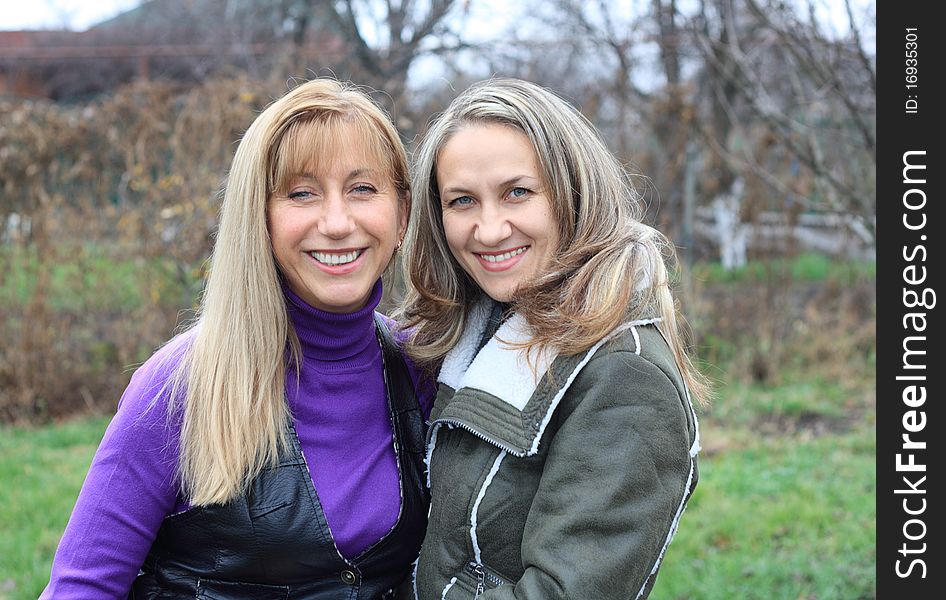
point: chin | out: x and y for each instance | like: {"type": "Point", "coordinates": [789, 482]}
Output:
{"type": "Point", "coordinates": [499, 295]}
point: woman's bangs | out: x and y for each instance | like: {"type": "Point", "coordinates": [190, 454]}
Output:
{"type": "Point", "coordinates": [314, 145]}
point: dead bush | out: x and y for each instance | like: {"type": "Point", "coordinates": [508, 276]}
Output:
{"type": "Point", "coordinates": [107, 210]}
{"type": "Point", "coordinates": [755, 331]}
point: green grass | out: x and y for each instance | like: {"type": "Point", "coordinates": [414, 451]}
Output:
{"type": "Point", "coordinates": [796, 399]}
{"type": "Point", "coordinates": [42, 470]}
{"type": "Point", "coordinates": [785, 507]}
{"type": "Point", "coordinates": [90, 278]}
{"type": "Point", "coordinates": [809, 266]}
{"type": "Point", "coordinates": [783, 518]}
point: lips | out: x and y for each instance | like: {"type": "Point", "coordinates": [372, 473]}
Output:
{"type": "Point", "coordinates": [501, 260]}
{"type": "Point", "coordinates": [495, 258]}
{"type": "Point", "coordinates": [333, 259]}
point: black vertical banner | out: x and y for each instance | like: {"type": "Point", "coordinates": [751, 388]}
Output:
{"type": "Point", "coordinates": [911, 422]}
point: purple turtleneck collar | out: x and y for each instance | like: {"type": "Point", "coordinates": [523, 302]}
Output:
{"type": "Point", "coordinates": [341, 339]}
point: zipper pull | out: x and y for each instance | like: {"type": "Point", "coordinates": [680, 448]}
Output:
{"type": "Point", "coordinates": [480, 579]}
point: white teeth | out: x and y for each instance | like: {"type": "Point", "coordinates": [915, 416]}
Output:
{"type": "Point", "coordinates": [332, 259]}
{"type": "Point", "coordinates": [504, 256]}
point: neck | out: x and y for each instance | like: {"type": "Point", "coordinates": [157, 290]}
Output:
{"type": "Point", "coordinates": [334, 338]}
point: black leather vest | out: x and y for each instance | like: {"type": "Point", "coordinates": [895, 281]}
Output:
{"type": "Point", "coordinates": [274, 541]}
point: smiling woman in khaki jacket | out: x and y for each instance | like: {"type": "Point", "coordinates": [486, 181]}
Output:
{"type": "Point", "coordinates": [563, 442]}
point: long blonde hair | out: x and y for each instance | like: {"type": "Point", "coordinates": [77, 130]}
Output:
{"type": "Point", "coordinates": [609, 267]}
{"type": "Point", "coordinates": [231, 380]}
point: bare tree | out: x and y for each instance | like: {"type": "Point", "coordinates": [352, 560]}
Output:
{"type": "Point", "coordinates": [778, 84]}
{"type": "Point", "coordinates": [385, 38]}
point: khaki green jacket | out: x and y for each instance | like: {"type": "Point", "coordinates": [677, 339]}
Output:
{"type": "Point", "coordinates": [571, 487]}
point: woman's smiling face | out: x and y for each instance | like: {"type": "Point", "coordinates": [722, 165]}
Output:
{"type": "Point", "coordinates": [496, 211]}
{"type": "Point", "coordinates": [336, 226]}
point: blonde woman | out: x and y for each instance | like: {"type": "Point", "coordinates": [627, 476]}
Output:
{"type": "Point", "coordinates": [274, 450]}
{"type": "Point", "coordinates": [562, 445]}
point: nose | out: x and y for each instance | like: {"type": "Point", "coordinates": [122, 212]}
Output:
{"type": "Point", "coordinates": [335, 220]}
{"type": "Point", "coordinates": [493, 226]}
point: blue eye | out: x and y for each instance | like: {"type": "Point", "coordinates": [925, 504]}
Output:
{"type": "Point", "coordinates": [300, 195]}
{"type": "Point", "coordinates": [461, 201]}
{"type": "Point", "coordinates": [518, 192]}
{"type": "Point", "coordinates": [364, 188]}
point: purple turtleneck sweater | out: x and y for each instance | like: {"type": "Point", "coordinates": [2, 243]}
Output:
{"type": "Point", "coordinates": [340, 415]}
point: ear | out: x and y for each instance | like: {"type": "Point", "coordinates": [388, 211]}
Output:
{"type": "Point", "coordinates": [403, 216]}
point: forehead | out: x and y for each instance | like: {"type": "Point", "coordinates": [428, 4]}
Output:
{"type": "Point", "coordinates": [484, 151]}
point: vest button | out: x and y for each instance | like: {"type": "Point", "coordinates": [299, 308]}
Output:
{"type": "Point", "coordinates": [349, 577]}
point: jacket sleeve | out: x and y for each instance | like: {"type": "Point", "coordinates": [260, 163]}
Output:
{"type": "Point", "coordinates": [616, 478]}
{"type": "Point", "coordinates": [129, 489]}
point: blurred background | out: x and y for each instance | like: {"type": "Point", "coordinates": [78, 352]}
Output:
{"type": "Point", "coordinates": [750, 125]}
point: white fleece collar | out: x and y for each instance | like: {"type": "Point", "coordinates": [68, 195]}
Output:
{"type": "Point", "coordinates": [459, 357]}
{"type": "Point", "coordinates": [498, 369]}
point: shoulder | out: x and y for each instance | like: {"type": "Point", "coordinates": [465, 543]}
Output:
{"type": "Point", "coordinates": [633, 367]}
{"type": "Point", "coordinates": [144, 433]}
{"type": "Point", "coordinates": [629, 395]}
{"type": "Point", "coordinates": [640, 350]}
{"type": "Point", "coordinates": [148, 390]}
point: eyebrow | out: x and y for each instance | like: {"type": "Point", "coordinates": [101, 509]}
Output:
{"type": "Point", "coordinates": [455, 190]}
{"type": "Point", "coordinates": [351, 175]}
{"type": "Point", "coordinates": [517, 179]}
{"type": "Point", "coordinates": [363, 171]}
{"type": "Point", "coordinates": [502, 184]}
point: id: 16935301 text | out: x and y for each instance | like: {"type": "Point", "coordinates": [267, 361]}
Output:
{"type": "Point", "coordinates": [911, 76]}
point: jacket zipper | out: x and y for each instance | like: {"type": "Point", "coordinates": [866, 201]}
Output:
{"type": "Point", "coordinates": [482, 436]}
{"type": "Point", "coordinates": [482, 576]}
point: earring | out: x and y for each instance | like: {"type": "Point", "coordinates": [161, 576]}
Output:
{"type": "Point", "coordinates": [398, 246]}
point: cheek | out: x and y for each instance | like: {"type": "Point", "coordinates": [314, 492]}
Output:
{"type": "Point", "coordinates": [547, 225]}
{"type": "Point", "coordinates": [455, 232]}
{"type": "Point", "coordinates": [384, 222]}
{"type": "Point", "coordinates": [543, 229]}
{"type": "Point", "coordinates": [282, 240]}
{"type": "Point", "coordinates": [279, 226]}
